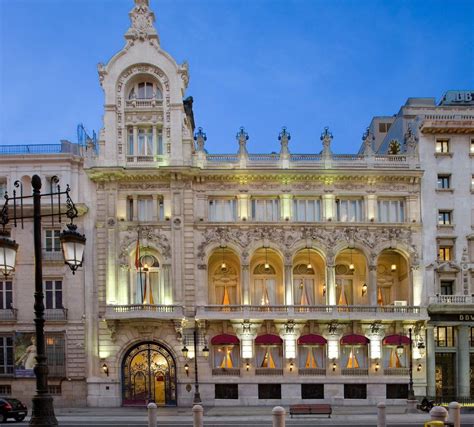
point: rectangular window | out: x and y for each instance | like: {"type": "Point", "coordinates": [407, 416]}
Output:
{"type": "Point", "coordinates": [51, 240]}
{"type": "Point", "coordinates": [130, 150]}
{"type": "Point", "coordinates": [145, 142]}
{"type": "Point", "coordinates": [54, 389]}
{"type": "Point", "coordinates": [442, 145]}
{"type": "Point", "coordinates": [226, 391]}
{"type": "Point", "coordinates": [307, 210]}
{"type": "Point", "coordinates": [6, 355]}
{"type": "Point", "coordinates": [56, 354]}
{"type": "Point", "coordinates": [6, 295]}
{"type": "Point", "coordinates": [444, 217]}
{"type": "Point", "coordinates": [391, 210]}
{"type": "Point", "coordinates": [130, 209]}
{"type": "Point", "coordinates": [355, 391]}
{"type": "Point", "coordinates": [53, 290]}
{"type": "Point", "coordinates": [446, 287]}
{"type": "Point", "coordinates": [5, 389]}
{"type": "Point", "coordinates": [384, 127]}
{"type": "Point", "coordinates": [159, 142]}
{"type": "Point", "coordinates": [269, 391]}
{"type": "Point", "coordinates": [445, 253]}
{"type": "Point", "coordinates": [3, 189]}
{"type": "Point", "coordinates": [265, 209]}
{"type": "Point", "coordinates": [350, 210]}
{"type": "Point", "coordinates": [312, 391]}
{"type": "Point", "coordinates": [444, 336]}
{"type": "Point", "coordinates": [224, 210]}
{"type": "Point", "coordinates": [472, 146]}
{"type": "Point", "coordinates": [397, 391]}
{"type": "Point", "coordinates": [145, 208]}
{"type": "Point", "coordinates": [444, 181]}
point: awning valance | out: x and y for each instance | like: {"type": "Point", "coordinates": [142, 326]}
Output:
{"type": "Point", "coordinates": [311, 339]}
{"type": "Point", "coordinates": [396, 340]}
{"type": "Point", "coordinates": [224, 339]}
{"type": "Point", "coordinates": [354, 339]}
{"type": "Point", "coordinates": [268, 339]}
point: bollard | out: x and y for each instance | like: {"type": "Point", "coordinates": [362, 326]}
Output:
{"type": "Point", "coordinates": [278, 415]}
{"type": "Point", "coordinates": [198, 415]}
{"type": "Point", "coordinates": [152, 413]}
{"type": "Point", "coordinates": [381, 415]}
{"type": "Point", "coordinates": [438, 413]}
{"type": "Point", "coordinates": [455, 413]}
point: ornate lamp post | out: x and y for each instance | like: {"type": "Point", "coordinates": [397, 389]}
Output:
{"type": "Point", "coordinates": [411, 393]}
{"type": "Point", "coordinates": [73, 245]}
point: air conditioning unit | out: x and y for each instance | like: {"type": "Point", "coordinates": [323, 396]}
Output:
{"type": "Point", "coordinates": [399, 303]}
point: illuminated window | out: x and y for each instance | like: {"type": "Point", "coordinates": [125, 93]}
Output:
{"type": "Point", "coordinates": [56, 354]}
{"type": "Point", "coordinates": [472, 145]}
{"type": "Point", "coordinates": [442, 145]}
{"type": "Point", "coordinates": [445, 253]}
{"type": "Point", "coordinates": [391, 210]}
{"type": "Point", "coordinates": [444, 217]}
{"type": "Point", "coordinates": [444, 181]}
{"type": "Point", "coordinates": [444, 336]}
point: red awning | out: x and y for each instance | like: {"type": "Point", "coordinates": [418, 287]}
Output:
{"type": "Point", "coordinates": [396, 340]}
{"type": "Point", "coordinates": [268, 339]}
{"type": "Point", "coordinates": [224, 339]}
{"type": "Point", "coordinates": [312, 339]}
{"type": "Point", "coordinates": [354, 339]}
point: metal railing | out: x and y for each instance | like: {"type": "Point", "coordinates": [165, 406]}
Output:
{"type": "Point", "coordinates": [8, 314]}
{"type": "Point", "coordinates": [144, 103]}
{"type": "Point", "coordinates": [55, 314]}
{"type": "Point", "coordinates": [451, 299]}
{"type": "Point", "coordinates": [49, 255]}
{"type": "Point", "coordinates": [142, 307]}
{"type": "Point", "coordinates": [64, 147]}
{"type": "Point", "coordinates": [396, 371]}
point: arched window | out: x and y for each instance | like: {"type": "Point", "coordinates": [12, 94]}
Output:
{"type": "Point", "coordinates": [145, 90]}
{"type": "Point", "coordinates": [146, 278]}
{"type": "Point", "coordinates": [303, 280]}
{"type": "Point", "coordinates": [344, 284]}
{"type": "Point", "coordinates": [265, 285]}
{"type": "Point", "coordinates": [225, 285]}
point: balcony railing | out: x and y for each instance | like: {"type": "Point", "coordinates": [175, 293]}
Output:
{"type": "Point", "coordinates": [49, 255]}
{"type": "Point", "coordinates": [144, 103]}
{"type": "Point", "coordinates": [145, 159]}
{"type": "Point", "coordinates": [231, 372]}
{"type": "Point", "coordinates": [143, 311]}
{"type": "Point", "coordinates": [452, 299]}
{"type": "Point", "coordinates": [355, 372]}
{"type": "Point", "coordinates": [396, 371]}
{"type": "Point", "coordinates": [64, 147]}
{"type": "Point", "coordinates": [7, 314]}
{"type": "Point", "coordinates": [269, 371]}
{"type": "Point", "coordinates": [55, 314]}
{"type": "Point", "coordinates": [312, 371]}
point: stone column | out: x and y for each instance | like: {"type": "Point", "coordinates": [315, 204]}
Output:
{"type": "Point", "coordinates": [463, 361]}
{"type": "Point", "coordinates": [289, 299]}
{"type": "Point", "coordinates": [430, 361]}
{"type": "Point", "coordinates": [135, 208]}
{"type": "Point", "coordinates": [246, 283]}
{"type": "Point", "coordinates": [154, 213]}
{"type": "Point", "coordinates": [135, 140]}
{"type": "Point", "coordinates": [155, 141]}
{"type": "Point", "coordinates": [373, 285]}
{"type": "Point", "coordinates": [331, 284]}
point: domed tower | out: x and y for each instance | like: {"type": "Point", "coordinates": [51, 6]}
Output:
{"type": "Point", "coordinates": [146, 121]}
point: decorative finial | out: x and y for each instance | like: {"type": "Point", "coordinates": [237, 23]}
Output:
{"type": "Point", "coordinates": [200, 138]}
{"type": "Point", "coordinates": [142, 21]}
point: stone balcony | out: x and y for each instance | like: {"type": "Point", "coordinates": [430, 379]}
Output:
{"type": "Point", "coordinates": [8, 314]}
{"type": "Point", "coordinates": [323, 312]}
{"type": "Point", "coordinates": [143, 104]}
{"type": "Point", "coordinates": [55, 314]}
{"type": "Point", "coordinates": [451, 299]}
{"type": "Point", "coordinates": [143, 311]}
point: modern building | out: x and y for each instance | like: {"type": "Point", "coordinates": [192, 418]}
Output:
{"type": "Point", "coordinates": [275, 277]}
{"type": "Point", "coordinates": [442, 135]}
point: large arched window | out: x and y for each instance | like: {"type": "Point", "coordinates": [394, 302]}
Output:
{"type": "Point", "coordinates": [145, 90]}
{"type": "Point", "coordinates": [303, 279]}
{"type": "Point", "coordinates": [265, 285]}
{"type": "Point", "coordinates": [224, 267]}
{"type": "Point", "coordinates": [147, 280]}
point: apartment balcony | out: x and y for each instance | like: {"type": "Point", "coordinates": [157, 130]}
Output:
{"type": "Point", "coordinates": [53, 256]}
{"type": "Point", "coordinates": [143, 104]}
{"type": "Point", "coordinates": [148, 161]}
{"type": "Point", "coordinates": [143, 311]}
{"type": "Point", "coordinates": [323, 312]}
{"type": "Point", "coordinates": [396, 372]}
{"type": "Point", "coordinates": [55, 314]}
{"type": "Point", "coordinates": [8, 314]}
{"type": "Point", "coordinates": [452, 299]}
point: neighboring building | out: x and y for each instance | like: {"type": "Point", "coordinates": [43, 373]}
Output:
{"type": "Point", "coordinates": [301, 273]}
{"type": "Point", "coordinates": [443, 137]}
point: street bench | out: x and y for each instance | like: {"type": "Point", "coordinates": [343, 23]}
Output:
{"type": "Point", "coordinates": [311, 409]}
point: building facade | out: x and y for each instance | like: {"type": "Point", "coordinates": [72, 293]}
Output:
{"type": "Point", "coordinates": [277, 277]}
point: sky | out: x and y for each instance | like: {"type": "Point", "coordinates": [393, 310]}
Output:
{"type": "Point", "coordinates": [260, 64]}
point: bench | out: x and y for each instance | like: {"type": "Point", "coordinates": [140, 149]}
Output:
{"type": "Point", "coordinates": [311, 409]}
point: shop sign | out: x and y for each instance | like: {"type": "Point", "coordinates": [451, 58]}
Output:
{"type": "Point", "coordinates": [452, 317]}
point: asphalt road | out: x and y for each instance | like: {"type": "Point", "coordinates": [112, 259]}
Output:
{"type": "Point", "coordinates": [299, 423]}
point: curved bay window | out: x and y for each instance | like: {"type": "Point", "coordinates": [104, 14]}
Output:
{"type": "Point", "coordinates": [224, 277]}
{"type": "Point", "coordinates": [354, 355]}
{"type": "Point", "coordinates": [149, 373]}
{"type": "Point", "coordinates": [396, 349]}
{"type": "Point", "coordinates": [393, 279]}
{"type": "Point", "coordinates": [269, 354]}
{"type": "Point", "coordinates": [226, 354]}
{"type": "Point", "coordinates": [312, 355]}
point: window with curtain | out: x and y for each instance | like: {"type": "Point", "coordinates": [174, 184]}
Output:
{"type": "Point", "coordinates": [303, 283]}
{"type": "Point", "coordinates": [224, 210]}
{"type": "Point", "coordinates": [384, 295]}
{"type": "Point", "coordinates": [266, 209]}
{"type": "Point", "coordinates": [307, 210]}
{"type": "Point", "coordinates": [265, 285]}
{"type": "Point", "coordinates": [225, 285]}
{"type": "Point", "coordinates": [145, 90]}
{"type": "Point", "coordinates": [148, 286]}
{"type": "Point", "coordinates": [350, 210]}
{"type": "Point", "coordinates": [145, 208]}
{"type": "Point", "coordinates": [354, 357]}
{"type": "Point", "coordinates": [226, 356]}
{"type": "Point", "coordinates": [311, 357]}
{"type": "Point", "coordinates": [391, 210]}
{"type": "Point", "coordinates": [392, 358]}
{"type": "Point", "coordinates": [145, 142]}
{"type": "Point", "coordinates": [344, 291]}
{"type": "Point", "coordinates": [130, 149]}
{"type": "Point", "coordinates": [269, 356]}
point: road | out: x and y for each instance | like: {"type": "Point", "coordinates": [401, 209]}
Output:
{"type": "Point", "coordinates": [296, 423]}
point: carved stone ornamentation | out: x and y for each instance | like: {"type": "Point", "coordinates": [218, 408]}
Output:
{"type": "Point", "coordinates": [148, 235]}
{"type": "Point", "coordinates": [142, 20]}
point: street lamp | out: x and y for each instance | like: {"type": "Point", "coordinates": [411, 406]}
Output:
{"type": "Point", "coordinates": [411, 393]}
{"type": "Point", "coordinates": [73, 245]}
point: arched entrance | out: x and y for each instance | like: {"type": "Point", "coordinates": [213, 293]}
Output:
{"type": "Point", "coordinates": [148, 373]}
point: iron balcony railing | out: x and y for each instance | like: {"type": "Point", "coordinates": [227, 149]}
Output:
{"type": "Point", "coordinates": [65, 147]}
{"type": "Point", "coordinates": [330, 309]}
{"type": "Point", "coordinates": [452, 299]}
{"type": "Point", "coordinates": [8, 314]}
{"type": "Point", "coordinates": [55, 314]}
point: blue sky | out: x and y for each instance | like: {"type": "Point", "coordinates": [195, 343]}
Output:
{"type": "Point", "coordinates": [261, 64]}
